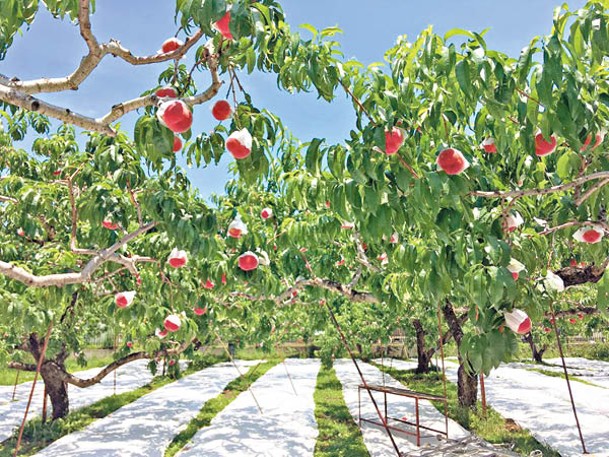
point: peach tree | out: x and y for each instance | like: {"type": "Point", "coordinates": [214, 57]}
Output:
{"type": "Point", "coordinates": [108, 234]}
{"type": "Point", "coordinates": [469, 182]}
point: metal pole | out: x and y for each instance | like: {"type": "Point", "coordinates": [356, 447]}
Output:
{"type": "Point", "coordinates": [289, 377]}
{"type": "Point", "coordinates": [230, 356]}
{"type": "Point", "coordinates": [44, 405]}
{"type": "Point", "coordinates": [443, 370]}
{"type": "Point", "coordinates": [361, 375]}
{"type": "Point", "coordinates": [29, 402]}
{"type": "Point", "coordinates": [115, 337]}
{"type": "Point", "coordinates": [483, 392]}
{"type": "Point", "coordinates": [15, 387]}
{"type": "Point", "coordinates": [564, 366]}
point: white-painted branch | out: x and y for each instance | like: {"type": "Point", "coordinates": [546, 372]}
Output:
{"type": "Point", "coordinates": [62, 279]}
{"type": "Point", "coordinates": [531, 192]}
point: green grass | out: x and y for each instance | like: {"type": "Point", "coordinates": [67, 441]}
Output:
{"type": "Point", "coordinates": [339, 435]}
{"type": "Point", "coordinates": [212, 407]}
{"type": "Point", "coordinates": [95, 358]}
{"type": "Point", "coordinates": [252, 353]}
{"type": "Point", "coordinates": [493, 428]}
{"type": "Point", "coordinates": [559, 374]}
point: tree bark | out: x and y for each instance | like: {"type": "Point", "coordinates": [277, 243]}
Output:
{"type": "Point", "coordinates": [467, 387]}
{"type": "Point", "coordinates": [56, 386]}
{"type": "Point", "coordinates": [537, 354]}
{"type": "Point", "coordinates": [423, 355]}
{"type": "Point", "coordinates": [467, 383]}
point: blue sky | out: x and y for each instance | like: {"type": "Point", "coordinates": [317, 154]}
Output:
{"type": "Point", "coordinates": [54, 48]}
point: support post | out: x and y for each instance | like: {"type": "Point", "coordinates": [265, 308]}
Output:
{"type": "Point", "coordinates": [483, 393]}
{"type": "Point", "coordinates": [44, 405]}
{"type": "Point", "coordinates": [29, 402]}
{"type": "Point", "coordinates": [15, 387]}
{"type": "Point", "coordinates": [564, 366]}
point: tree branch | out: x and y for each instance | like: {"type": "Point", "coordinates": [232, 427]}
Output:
{"type": "Point", "coordinates": [586, 195]}
{"type": "Point", "coordinates": [84, 23]}
{"type": "Point", "coordinates": [573, 276]}
{"type": "Point", "coordinates": [569, 312]}
{"type": "Point", "coordinates": [19, 93]}
{"type": "Point", "coordinates": [33, 104]}
{"type": "Point", "coordinates": [78, 382]}
{"type": "Point", "coordinates": [571, 224]}
{"type": "Point", "coordinates": [529, 192]}
{"type": "Point", "coordinates": [4, 198]}
{"type": "Point", "coordinates": [63, 279]}
{"type": "Point", "coordinates": [333, 286]}
{"type": "Point", "coordinates": [22, 366]}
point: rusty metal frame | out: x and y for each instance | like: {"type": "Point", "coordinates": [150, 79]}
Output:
{"type": "Point", "coordinates": [417, 396]}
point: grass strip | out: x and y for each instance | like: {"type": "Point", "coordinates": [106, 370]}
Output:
{"type": "Point", "coordinates": [38, 435]}
{"type": "Point", "coordinates": [493, 428]}
{"type": "Point", "coordinates": [559, 374]}
{"type": "Point", "coordinates": [212, 407]}
{"type": "Point", "coordinates": [339, 435]}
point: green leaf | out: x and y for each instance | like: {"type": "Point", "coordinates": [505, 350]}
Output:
{"type": "Point", "coordinates": [602, 294]}
{"type": "Point", "coordinates": [568, 165]}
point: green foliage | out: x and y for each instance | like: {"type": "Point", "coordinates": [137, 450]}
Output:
{"type": "Point", "coordinates": [442, 91]}
{"type": "Point", "coordinates": [13, 15]}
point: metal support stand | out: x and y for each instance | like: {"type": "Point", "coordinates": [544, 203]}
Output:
{"type": "Point", "coordinates": [361, 375]}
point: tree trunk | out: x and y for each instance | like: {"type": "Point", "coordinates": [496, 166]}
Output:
{"type": "Point", "coordinates": [467, 387]}
{"type": "Point", "coordinates": [57, 388]}
{"type": "Point", "coordinates": [467, 383]}
{"type": "Point", "coordinates": [423, 356]}
{"type": "Point", "coordinates": [537, 354]}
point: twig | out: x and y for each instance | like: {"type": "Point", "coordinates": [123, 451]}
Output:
{"type": "Point", "coordinates": [572, 224]}
{"type": "Point", "coordinates": [135, 203]}
{"type": "Point", "coordinates": [586, 195]}
{"type": "Point", "coordinates": [357, 102]}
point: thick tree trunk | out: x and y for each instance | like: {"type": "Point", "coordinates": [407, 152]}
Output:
{"type": "Point", "coordinates": [467, 383]}
{"type": "Point", "coordinates": [423, 355]}
{"type": "Point", "coordinates": [467, 387]}
{"type": "Point", "coordinates": [537, 354]}
{"type": "Point", "coordinates": [57, 388]}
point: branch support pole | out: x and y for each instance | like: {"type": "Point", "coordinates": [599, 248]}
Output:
{"type": "Point", "coordinates": [230, 356]}
{"type": "Point", "coordinates": [29, 402]}
{"type": "Point", "coordinates": [564, 366]}
{"type": "Point", "coordinates": [15, 387]}
{"type": "Point", "coordinates": [443, 369]}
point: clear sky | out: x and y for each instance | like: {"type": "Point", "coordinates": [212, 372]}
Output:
{"type": "Point", "coordinates": [54, 48]}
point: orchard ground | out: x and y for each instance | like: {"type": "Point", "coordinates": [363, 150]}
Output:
{"type": "Point", "coordinates": [262, 420]}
